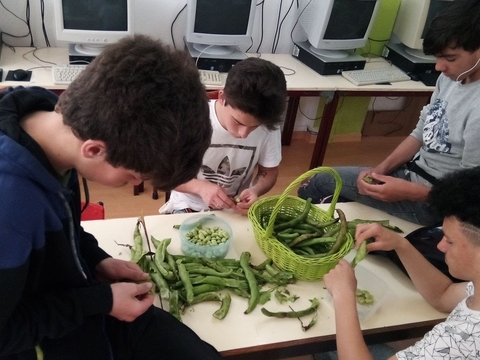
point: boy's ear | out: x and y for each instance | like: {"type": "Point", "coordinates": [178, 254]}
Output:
{"type": "Point", "coordinates": [221, 97]}
{"type": "Point", "coordinates": [93, 148]}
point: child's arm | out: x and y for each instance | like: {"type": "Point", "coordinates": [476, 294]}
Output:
{"type": "Point", "coordinates": [265, 180]}
{"type": "Point", "coordinates": [435, 287]}
{"type": "Point", "coordinates": [212, 195]}
{"type": "Point", "coordinates": [342, 284]}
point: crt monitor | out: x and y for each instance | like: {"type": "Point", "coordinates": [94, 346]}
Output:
{"type": "Point", "coordinates": [218, 26]}
{"type": "Point", "coordinates": [412, 22]}
{"type": "Point", "coordinates": [92, 24]}
{"type": "Point", "coordinates": [334, 27]}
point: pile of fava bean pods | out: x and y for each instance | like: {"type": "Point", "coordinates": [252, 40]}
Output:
{"type": "Point", "coordinates": [314, 238]}
{"type": "Point", "coordinates": [185, 281]}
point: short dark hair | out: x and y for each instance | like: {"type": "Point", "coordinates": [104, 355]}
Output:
{"type": "Point", "coordinates": [457, 26]}
{"type": "Point", "coordinates": [458, 194]}
{"type": "Point", "coordinates": [146, 102]}
{"type": "Point", "coordinates": [257, 87]}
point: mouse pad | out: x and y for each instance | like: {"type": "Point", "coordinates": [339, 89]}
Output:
{"type": "Point", "coordinates": [10, 76]}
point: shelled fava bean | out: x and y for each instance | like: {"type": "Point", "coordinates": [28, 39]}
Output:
{"type": "Point", "coordinates": [364, 297]}
{"type": "Point", "coordinates": [207, 236]}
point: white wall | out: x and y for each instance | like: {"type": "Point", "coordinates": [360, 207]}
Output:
{"type": "Point", "coordinates": [155, 17]}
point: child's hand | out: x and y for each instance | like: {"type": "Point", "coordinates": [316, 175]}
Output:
{"type": "Point", "coordinates": [246, 199]}
{"type": "Point", "coordinates": [384, 239]}
{"type": "Point", "coordinates": [341, 281]}
{"type": "Point", "coordinates": [215, 196]}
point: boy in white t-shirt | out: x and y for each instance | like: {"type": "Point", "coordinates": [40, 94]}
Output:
{"type": "Point", "coordinates": [242, 161]}
{"type": "Point", "coordinates": [457, 199]}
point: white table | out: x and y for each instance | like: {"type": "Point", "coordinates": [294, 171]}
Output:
{"type": "Point", "coordinates": [254, 336]}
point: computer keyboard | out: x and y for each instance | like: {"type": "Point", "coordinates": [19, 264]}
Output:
{"type": "Point", "coordinates": [65, 74]}
{"type": "Point", "coordinates": [210, 77]}
{"type": "Point", "coordinates": [375, 76]}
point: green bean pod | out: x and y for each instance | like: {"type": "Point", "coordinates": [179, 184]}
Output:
{"type": "Point", "coordinates": [137, 249]}
{"type": "Point", "coordinates": [223, 310]}
{"type": "Point", "coordinates": [183, 274]}
{"type": "Point", "coordinates": [252, 282]}
{"type": "Point", "coordinates": [296, 220]}
{"type": "Point", "coordinates": [360, 255]}
{"type": "Point", "coordinates": [341, 235]}
{"type": "Point", "coordinates": [304, 237]}
{"type": "Point", "coordinates": [173, 303]}
{"type": "Point", "coordinates": [293, 314]}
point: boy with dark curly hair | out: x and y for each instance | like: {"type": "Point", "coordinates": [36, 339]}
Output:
{"type": "Point", "coordinates": [456, 197]}
{"type": "Point", "coordinates": [139, 111]}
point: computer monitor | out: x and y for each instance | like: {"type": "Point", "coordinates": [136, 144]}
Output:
{"type": "Point", "coordinates": [92, 24]}
{"type": "Point", "coordinates": [217, 27]}
{"type": "Point", "coordinates": [412, 22]}
{"type": "Point", "coordinates": [335, 27]}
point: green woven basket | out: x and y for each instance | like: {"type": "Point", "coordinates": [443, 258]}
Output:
{"type": "Point", "coordinates": [303, 268]}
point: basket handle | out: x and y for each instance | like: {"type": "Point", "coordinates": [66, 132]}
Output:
{"type": "Point", "coordinates": [309, 173]}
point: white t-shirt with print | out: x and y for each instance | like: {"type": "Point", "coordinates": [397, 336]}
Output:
{"type": "Point", "coordinates": [230, 162]}
{"type": "Point", "coordinates": [458, 337]}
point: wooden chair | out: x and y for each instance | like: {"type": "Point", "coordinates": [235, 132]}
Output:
{"type": "Point", "coordinates": [137, 189]}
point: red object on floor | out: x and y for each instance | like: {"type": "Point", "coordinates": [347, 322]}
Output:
{"type": "Point", "coordinates": [93, 212]}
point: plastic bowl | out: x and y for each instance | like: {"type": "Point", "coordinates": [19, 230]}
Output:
{"type": "Point", "coordinates": [366, 280]}
{"type": "Point", "coordinates": [206, 251]}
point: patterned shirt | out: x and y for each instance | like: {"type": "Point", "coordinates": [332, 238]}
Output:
{"type": "Point", "coordinates": [458, 337]}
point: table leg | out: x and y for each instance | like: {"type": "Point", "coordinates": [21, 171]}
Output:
{"type": "Point", "coordinates": [324, 129]}
{"type": "Point", "coordinates": [290, 116]}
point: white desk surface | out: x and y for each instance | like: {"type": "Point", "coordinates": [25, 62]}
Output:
{"type": "Point", "coordinates": [299, 76]}
{"type": "Point", "coordinates": [239, 332]}
{"type": "Point", "coordinates": [24, 58]}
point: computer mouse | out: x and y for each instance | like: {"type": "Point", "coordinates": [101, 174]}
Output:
{"type": "Point", "coordinates": [20, 74]}
{"type": "Point", "coordinates": [413, 76]}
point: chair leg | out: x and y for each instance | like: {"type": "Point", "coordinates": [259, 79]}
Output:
{"type": "Point", "coordinates": [137, 189]}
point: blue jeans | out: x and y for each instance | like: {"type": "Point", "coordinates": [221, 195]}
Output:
{"type": "Point", "coordinates": [378, 351]}
{"type": "Point", "coordinates": [322, 185]}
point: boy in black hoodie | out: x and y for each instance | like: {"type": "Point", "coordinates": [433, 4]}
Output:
{"type": "Point", "coordinates": [137, 112]}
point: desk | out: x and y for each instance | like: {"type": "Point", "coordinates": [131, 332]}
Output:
{"type": "Point", "coordinates": [301, 81]}
{"type": "Point", "coordinates": [404, 315]}
{"type": "Point", "coordinates": [344, 87]}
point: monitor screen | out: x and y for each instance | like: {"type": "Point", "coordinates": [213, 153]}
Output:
{"type": "Point", "coordinates": [349, 19]}
{"type": "Point", "coordinates": [434, 8]}
{"type": "Point", "coordinates": [229, 20]}
{"type": "Point", "coordinates": [92, 24]}
{"type": "Point", "coordinates": [335, 26]}
{"type": "Point", "coordinates": [215, 25]}
{"type": "Point", "coordinates": [412, 22]}
{"type": "Point", "coordinates": [95, 15]}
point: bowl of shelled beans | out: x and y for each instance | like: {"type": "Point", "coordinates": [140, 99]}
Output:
{"type": "Point", "coordinates": [206, 236]}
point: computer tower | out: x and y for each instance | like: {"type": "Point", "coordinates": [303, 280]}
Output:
{"type": "Point", "coordinates": [221, 63]}
{"type": "Point", "coordinates": [75, 57]}
{"type": "Point", "coordinates": [423, 68]}
{"type": "Point", "coordinates": [326, 65]}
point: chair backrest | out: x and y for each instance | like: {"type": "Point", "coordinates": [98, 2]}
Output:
{"type": "Point", "coordinates": [212, 94]}
{"type": "Point", "coordinates": [93, 212]}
